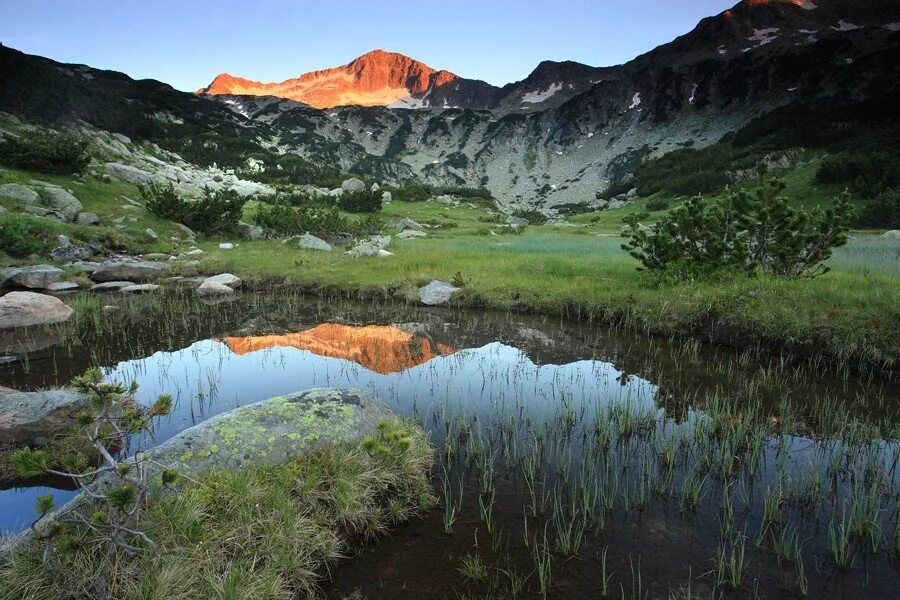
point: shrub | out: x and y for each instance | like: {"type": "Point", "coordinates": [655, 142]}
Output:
{"type": "Point", "coordinates": [47, 152]}
{"type": "Point", "coordinates": [657, 204]}
{"type": "Point", "coordinates": [364, 201]}
{"type": "Point", "coordinates": [748, 230]}
{"type": "Point", "coordinates": [534, 217]}
{"type": "Point", "coordinates": [868, 171]}
{"type": "Point", "coordinates": [217, 212]}
{"type": "Point", "coordinates": [882, 211]}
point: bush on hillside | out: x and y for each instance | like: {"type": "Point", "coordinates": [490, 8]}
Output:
{"type": "Point", "coordinates": [534, 217]}
{"type": "Point", "coordinates": [882, 211]}
{"type": "Point", "coordinates": [657, 204]}
{"type": "Point", "coordinates": [749, 230]}
{"type": "Point", "coordinates": [216, 212]}
{"type": "Point", "coordinates": [284, 220]}
{"type": "Point", "coordinates": [868, 172]}
{"type": "Point", "coordinates": [364, 201]}
{"type": "Point", "coordinates": [47, 152]}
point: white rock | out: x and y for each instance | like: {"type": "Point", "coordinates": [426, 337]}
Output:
{"type": "Point", "coordinates": [437, 292]}
{"type": "Point", "coordinates": [225, 279]}
{"type": "Point", "coordinates": [226, 246]}
{"type": "Point", "coordinates": [353, 185]}
{"type": "Point", "coordinates": [213, 289]}
{"type": "Point", "coordinates": [139, 288]}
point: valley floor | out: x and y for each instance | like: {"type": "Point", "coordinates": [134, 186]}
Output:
{"type": "Point", "coordinates": [851, 314]}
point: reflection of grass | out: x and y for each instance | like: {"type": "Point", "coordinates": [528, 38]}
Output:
{"type": "Point", "coordinates": [267, 532]}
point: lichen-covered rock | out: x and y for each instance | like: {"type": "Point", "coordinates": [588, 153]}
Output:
{"type": "Point", "coordinates": [35, 418]}
{"type": "Point", "coordinates": [437, 292]}
{"type": "Point", "coordinates": [310, 242]}
{"type": "Point", "coordinates": [23, 309]}
{"type": "Point", "coordinates": [61, 202]}
{"type": "Point", "coordinates": [409, 234]}
{"type": "Point", "coordinates": [353, 185]}
{"type": "Point", "coordinates": [267, 433]}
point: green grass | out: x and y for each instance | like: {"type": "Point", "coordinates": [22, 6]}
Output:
{"type": "Point", "coordinates": [261, 533]}
{"type": "Point", "coordinates": [850, 313]}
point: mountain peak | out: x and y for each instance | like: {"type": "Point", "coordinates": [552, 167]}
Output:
{"type": "Point", "coordinates": [377, 78]}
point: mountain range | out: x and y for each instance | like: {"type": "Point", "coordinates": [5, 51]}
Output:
{"type": "Point", "coordinates": [563, 134]}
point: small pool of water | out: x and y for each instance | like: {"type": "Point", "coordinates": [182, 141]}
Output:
{"type": "Point", "coordinates": [507, 380]}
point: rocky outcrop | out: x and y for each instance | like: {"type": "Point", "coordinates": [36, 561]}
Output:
{"type": "Point", "coordinates": [436, 293]}
{"type": "Point", "coordinates": [142, 271]}
{"type": "Point", "coordinates": [23, 309]}
{"type": "Point", "coordinates": [36, 418]}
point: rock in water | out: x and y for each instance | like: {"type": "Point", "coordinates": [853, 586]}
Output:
{"type": "Point", "coordinates": [437, 292]}
{"type": "Point", "coordinates": [225, 279]}
{"type": "Point", "coordinates": [213, 289]}
{"type": "Point", "coordinates": [36, 277]}
{"type": "Point", "coordinates": [129, 271]}
{"type": "Point", "coordinates": [35, 418]}
{"type": "Point", "coordinates": [21, 309]}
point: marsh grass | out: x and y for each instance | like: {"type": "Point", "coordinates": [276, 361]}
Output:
{"type": "Point", "coordinates": [265, 533]}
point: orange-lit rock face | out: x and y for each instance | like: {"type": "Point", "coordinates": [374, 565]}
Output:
{"type": "Point", "coordinates": [374, 79]}
{"type": "Point", "coordinates": [379, 348]}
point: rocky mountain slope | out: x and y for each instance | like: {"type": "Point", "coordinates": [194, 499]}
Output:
{"type": "Point", "coordinates": [562, 135]}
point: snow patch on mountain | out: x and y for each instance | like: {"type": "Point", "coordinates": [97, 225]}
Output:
{"type": "Point", "coordinates": [540, 96]}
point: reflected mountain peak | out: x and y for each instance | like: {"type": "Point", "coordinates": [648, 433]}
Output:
{"type": "Point", "coordinates": [379, 348]}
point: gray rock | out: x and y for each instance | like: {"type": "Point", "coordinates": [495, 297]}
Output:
{"type": "Point", "coordinates": [19, 193]}
{"type": "Point", "coordinates": [408, 234]}
{"type": "Point", "coordinates": [129, 173]}
{"type": "Point", "coordinates": [63, 286]}
{"type": "Point", "coordinates": [139, 271]}
{"type": "Point", "coordinates": [372, 247]}
{"type": "Point", "coordinates": [35, 418]}
{"type": "Point", "coordinates": [310, 242]}
{"type": "Point", "coordinates": [214, 289]}
{"type": "Point", "coordinates": [151, 234]}
{"type": "Point", "coordinates": [353, 185]}
{"type": "Point", "coordinates": [250, 232]}
{"type": "Point", "coordinates": [891, 234]}
{"type": "Point", "coordinates": [139, 288]}
{"type": "Point", "coordinates": [22, 309]}
{"type": "Point", "coordinates": [437, 292]}
{"type": "Point", "coordinates": [111, 286]}
{"type": "Point", "coordinates": [61, 201]}
{"type": "Point", "coordinates": [157, 256]}
{"type": "Point", "coordinates": [631, 193]}
{"type": "Point", "coordinates": [516, 221]}
{"type": "Point", "coordinates": [445, 199]}
{"type": "Point", "coordinates": [386, 198]}
{"type": "Point", "coordinates": [410, 224]}
{"type": "Point", "coordinates": [36, 277]}
{"type": "Point", "coordinates": [69, 252]}
{"type": "Point", "coordinates": [88, 218]}
{"type": "Point", "coordinates": [225, 279]}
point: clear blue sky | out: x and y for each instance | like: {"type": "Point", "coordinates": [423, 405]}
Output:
{"type": "Point", "coordinates": [187, 42]}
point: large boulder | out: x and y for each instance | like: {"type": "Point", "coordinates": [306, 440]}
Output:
{"type": "Point", "coordinates": [61, 202]}
{"type": "Point", "coordinates": [35, 277]}
{"type": "Point", "coordinates": [35, 418]}
{"type": "Point", "coordinates": [437, 292]}
{"type": "Point", "coordinates": [267, 433]}
{"type": "Point", "coordinates": [409, 234]}
{"type": "Point", "coordinates": [353, 185]}
{"type": "Point", "coordinates": [310, 242]}
{"type": "Point", "coordinates": [19, 193]}
{"type": "Point", "coordinates": [129, 173]}
{"type": "Point", "coordinates": [22, 309]}
{"type": "Point", "coordinates": [129, 271]}
{"type": "Point", "coordinates": [891, 234]}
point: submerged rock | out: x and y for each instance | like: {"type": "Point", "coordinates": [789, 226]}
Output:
{"type": "Point", "coordinates": [35, 418]}
{"type": "Point", "coordinates": [227, 279]}
{"type": "Point", "coordinates": [437, 292]}
{"type": "Point", "coordinates": [208, 288]}
{"type": "Point", "coordinates": [22, 309]}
